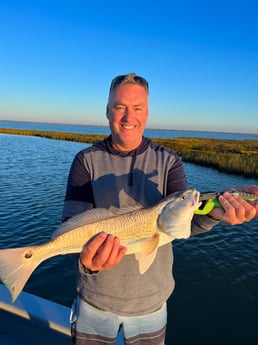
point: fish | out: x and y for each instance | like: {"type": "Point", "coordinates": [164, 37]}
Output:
{"type": "Point", "coordinates": [141, 230]}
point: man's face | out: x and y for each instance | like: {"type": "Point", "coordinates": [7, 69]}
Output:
{"type": "Point", "coordinates": [127, 112]}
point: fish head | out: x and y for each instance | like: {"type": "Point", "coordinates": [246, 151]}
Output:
{"type": "Point", "coordinates": [176, 215]}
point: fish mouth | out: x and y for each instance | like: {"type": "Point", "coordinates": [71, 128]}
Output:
{"type": "Point", "coordinates": [196, 199]}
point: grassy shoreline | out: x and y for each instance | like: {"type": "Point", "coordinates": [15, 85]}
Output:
{"type": "Point", "coordinates": [231, 156]}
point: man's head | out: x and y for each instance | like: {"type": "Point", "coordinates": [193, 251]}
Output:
{"type": "Point", "coordinates": [127, 110]}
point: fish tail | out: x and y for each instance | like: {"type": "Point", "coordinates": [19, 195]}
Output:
{"type": "Point", "coordinates": [16, 266]}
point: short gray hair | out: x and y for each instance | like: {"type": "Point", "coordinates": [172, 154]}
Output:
{"type": "Point", "coordinates": [130, 78]}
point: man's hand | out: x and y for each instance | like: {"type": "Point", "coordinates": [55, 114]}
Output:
{"type": "Point", "coordinates": [236, 210]}
{"type": "Point", "coordinates": [102, 252]}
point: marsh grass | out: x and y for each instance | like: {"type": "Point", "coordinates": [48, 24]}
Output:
{"type": "Point", "coordinates": [230, 156]}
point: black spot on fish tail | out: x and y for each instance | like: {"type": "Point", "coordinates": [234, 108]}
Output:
{"type": "Point", "coordinates": [28, 254]}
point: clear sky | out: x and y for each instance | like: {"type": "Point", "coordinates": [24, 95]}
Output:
{"type": "Point", "coordinates": [57, 59]}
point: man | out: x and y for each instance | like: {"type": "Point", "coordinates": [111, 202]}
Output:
{"type": "Point", "coordinates": [127, 169]}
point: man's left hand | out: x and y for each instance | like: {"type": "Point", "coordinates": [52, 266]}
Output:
{"type": "Point", "coordinates": [236, 210]}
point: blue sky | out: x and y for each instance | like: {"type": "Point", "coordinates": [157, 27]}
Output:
{"type": "Point", "coordinates": [200, 57]}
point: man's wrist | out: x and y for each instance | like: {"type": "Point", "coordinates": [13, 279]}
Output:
{"type": "Point", "coordinates": [85, 270]}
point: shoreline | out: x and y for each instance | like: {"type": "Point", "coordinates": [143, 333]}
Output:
{"type": "Point", "coordinates": [231, 156]}
{"type": "Point", "coordinates": [147, 128]}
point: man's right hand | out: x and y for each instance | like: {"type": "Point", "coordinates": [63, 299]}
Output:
{"type": "Point", "coordinates": [102, 252]}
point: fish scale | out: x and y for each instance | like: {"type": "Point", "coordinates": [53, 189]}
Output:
{"type": "Point", "coordinates": [141, 225]}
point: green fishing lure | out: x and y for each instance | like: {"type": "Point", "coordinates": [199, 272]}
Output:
{"type": "Point", "coordinates": [209, 200]}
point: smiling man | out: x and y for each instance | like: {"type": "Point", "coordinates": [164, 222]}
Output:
{"type": "Point", "coordinates": [123, 171]}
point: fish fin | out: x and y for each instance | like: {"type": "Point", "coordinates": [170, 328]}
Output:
{"type": "Point", "coordinates": [149, 250]}
{"type": "Point", "coordinates": [84, 218]}
{"type": "Point", "coordinates": [150, 245]}
{"type": "Point", "coordinates": [127, 209]}
{"type": "Point", "coordinates": [145, 261]}
{"type": "Point", "coordinates": [15, 268]}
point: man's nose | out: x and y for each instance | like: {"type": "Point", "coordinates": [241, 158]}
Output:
{"type": "Point", "coordinates": [128, 114]}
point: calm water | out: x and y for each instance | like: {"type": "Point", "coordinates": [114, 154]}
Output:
{"type": "Point", "coordinates": [216, 296]}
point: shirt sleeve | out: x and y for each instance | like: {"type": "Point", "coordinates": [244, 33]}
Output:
{"type": "Point", "coordinates": [79, 194]}
{"type": "Point", "coordinates": [176, 177]}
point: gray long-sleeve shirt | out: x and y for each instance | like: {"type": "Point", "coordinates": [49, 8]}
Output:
{"type": "Point", "coordinates": [101, 176]}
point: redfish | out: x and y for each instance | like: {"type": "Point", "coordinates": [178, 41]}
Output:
{"type": "Point", "coordinates": [141, 230]}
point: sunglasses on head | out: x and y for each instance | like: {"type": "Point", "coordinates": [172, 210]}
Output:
{"type": "Point", "coordinates": [131, 78]}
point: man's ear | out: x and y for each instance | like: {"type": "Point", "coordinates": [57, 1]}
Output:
{"type": "Point", "coordinates": [107, 112]}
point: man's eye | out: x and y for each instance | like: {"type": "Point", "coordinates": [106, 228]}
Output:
{"type": "Point", "coordinates": [119, 107]}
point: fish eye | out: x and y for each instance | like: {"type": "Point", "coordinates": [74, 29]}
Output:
{"type": "Point", "coordinates": [182, 197]}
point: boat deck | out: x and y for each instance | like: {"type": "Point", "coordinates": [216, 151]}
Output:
{"type": "Point", "coordinates": [15, 330]}
{"type": "Point", "coordinates": [32, 320]}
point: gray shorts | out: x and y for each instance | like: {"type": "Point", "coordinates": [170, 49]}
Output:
{"type": "Point", "coordinates": [91, 326]}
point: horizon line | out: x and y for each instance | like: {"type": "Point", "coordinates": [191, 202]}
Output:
{"type": "Point", "coordinates": [147, 128]}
